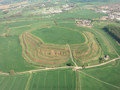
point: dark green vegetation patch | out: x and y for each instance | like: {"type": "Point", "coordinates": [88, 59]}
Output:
{"type": "Point", "coordinates": [114, 31]}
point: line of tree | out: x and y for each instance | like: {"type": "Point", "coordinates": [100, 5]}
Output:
{"type": "Point", "coordinates": [114, 31]}
{"type": "Point", "coordinates": [93, 1]}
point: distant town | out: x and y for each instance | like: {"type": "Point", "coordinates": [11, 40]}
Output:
{"type": "Point", "coordinates": [112, 11]}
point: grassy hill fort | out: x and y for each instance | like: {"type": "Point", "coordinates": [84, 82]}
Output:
{"type": "Point", "coordinates": [59, 44]}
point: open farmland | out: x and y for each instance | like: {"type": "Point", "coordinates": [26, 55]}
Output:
{"type": "Point", "coordinates": [78, 13]}
{"type": "Point", "coordinates": [65, 79]}
{"type": "Point", "coordinates": [57, 46]}
{"type": "Point", "coordinates": [53, 80]}
{"type": "Point", "coordinates": [105, 77]}
{"type": "Point", "coordinates": [59, 35]}
{"type": "Point", "coordinates": [17, 82]}
{"type": "Point", "coordinates": [39, 49]}
{"type": "Point", "coordinates": [33, 47]}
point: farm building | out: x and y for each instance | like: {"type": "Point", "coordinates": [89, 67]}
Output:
{"type": "Point", "coordinates": [104, 18]}
{"type": "Point", "coordinates": [106, 57]}
{"type": "Point", "coordinates": [84, 23]}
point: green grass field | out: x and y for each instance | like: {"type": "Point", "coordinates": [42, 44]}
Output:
{"type": "Point", "coordinates": [53, 80]}
{"type": "Point", "coordinates": [17, 82]}
{"type": "Point", "coordinates": [108, 44]}
{"type": "Point", "coordinates": [79, 13]}
{"type": "Point", "coordinates": [44, 51]}
{"type": "Point", "coordinates": [59, 35]}
{"type": "Point", "coordinates": [104, 77]}
{"type": "Point", "coordinates": [11, 55]}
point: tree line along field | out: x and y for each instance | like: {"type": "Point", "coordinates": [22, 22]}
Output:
{"type": "Point", "coordinates": [114, 31]}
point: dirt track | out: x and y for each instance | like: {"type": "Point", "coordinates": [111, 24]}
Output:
{"type": "Point", "coordinates": [71, 55]}
{"type": "Point", "coordinates": [103, 63]}
{"type": "Point", "coordinates": [67, 67]}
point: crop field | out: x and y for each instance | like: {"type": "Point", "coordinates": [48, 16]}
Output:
{"type": "Point", "coordinates": [38, 49]}
{"type": "Point", "coordinates": [17, 82]}
{"type": "Point", "coordinates": [11, 56]}
{"type": "Point", "coordinates": [53, 52]}
{"type": "Point", "coordinates": [78, 13]}
{"type": "Point", "coordinates": [53, 80]}
{"type": "Point", "coordinates": [105, 77]}
{"type": "Point", "coordinates": [66, 79]}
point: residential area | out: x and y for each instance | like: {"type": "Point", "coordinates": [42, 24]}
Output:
{"type": "Point", "coordinates": [112, 11]}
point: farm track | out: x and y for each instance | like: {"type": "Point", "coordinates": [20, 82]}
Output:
{"type": "Point", "coordinates": [20, 26]}
{"type": "Point", "coordinates": [77, 81]}
{"type": "Point", "coordinates": [91, 54]}
{"type": "Point", "coordinates": [76, 67]}
{"type": "Point", "coordinates": [57, 68]}
{"type": "Point", "coordinates": [42, 27]}
{"type": "Point", "coordinates": [103, 63]}
{"type": "Point", "coordinates": [99, 80]}
{"type": "Point", "coordinates": [28, 82]}
{"type": "Point", "coordinates": [25, 40]}
{"type": "Point", "coordinates": [71, 55]}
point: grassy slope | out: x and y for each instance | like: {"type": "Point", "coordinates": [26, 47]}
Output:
{"type": "Point", "coordinates": [58, 35]}
{"type": "Point", "coordinates": [108, 44]}
{"type": "Point", "coordinates": [99, 27]}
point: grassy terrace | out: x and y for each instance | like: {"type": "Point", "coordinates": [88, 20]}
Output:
{"type": "Point", "coordinates": [22, 49]}
{"type": "Point", "coordinates": [109, 45]}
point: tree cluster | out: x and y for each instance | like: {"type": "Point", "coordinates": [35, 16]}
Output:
{"type": "Point", "coordinates": [114, 31]}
